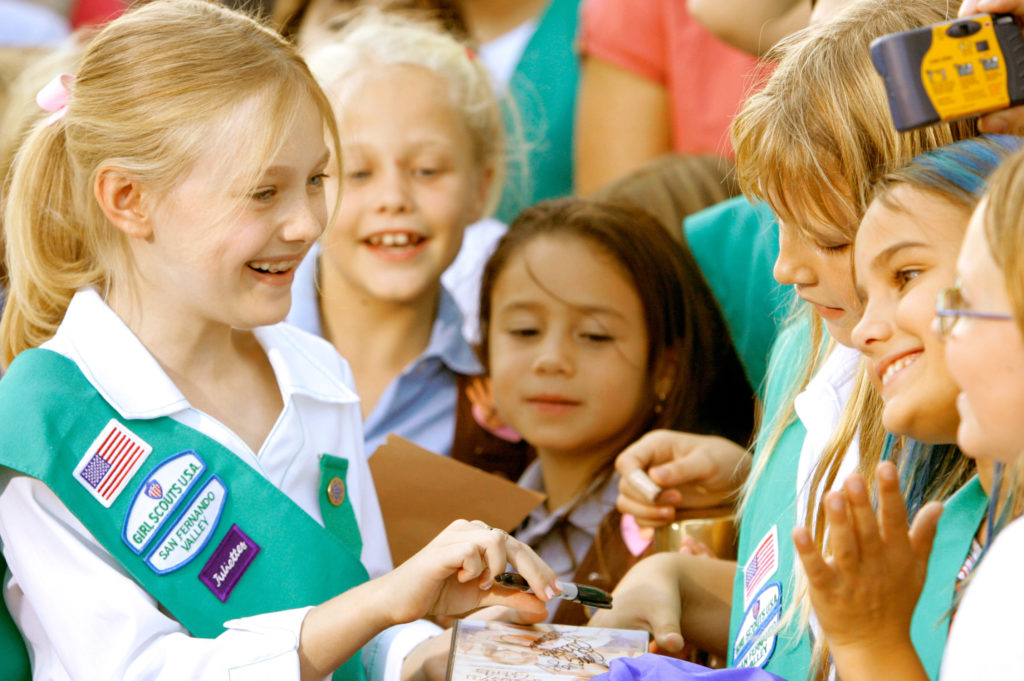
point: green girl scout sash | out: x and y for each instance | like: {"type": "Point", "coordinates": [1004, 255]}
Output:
{"type": "Point", "coordinates": [199, 529]}
{"type": "Point", "coordinates": [543, 89]}
{"type": "Point", "coordinates": [763, 586]}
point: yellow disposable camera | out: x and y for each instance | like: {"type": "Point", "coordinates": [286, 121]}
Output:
{"type": "Point", "coordinates": [951, 70]}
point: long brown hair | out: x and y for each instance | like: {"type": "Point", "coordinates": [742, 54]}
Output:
{"type": "Point", "coordinates": [709, 392]}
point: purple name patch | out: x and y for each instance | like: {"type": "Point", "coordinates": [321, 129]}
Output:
{"type": "Point", "coordinates": [228, 563]}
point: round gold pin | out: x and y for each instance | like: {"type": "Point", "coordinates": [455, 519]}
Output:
{"type": "Point", "coordinates": [336, 491]}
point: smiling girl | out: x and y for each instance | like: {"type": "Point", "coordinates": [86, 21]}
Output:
{"type": "Point", "coordinates": [905, 254]}
{"type": "Point", "coordinates": [183, 489]}
{"type": "Point", "coordinates": [422, 145]}
{"type": "Point", "coordinates": [597, 328]}
{"type": "Point", "coordinates": [807, 144]}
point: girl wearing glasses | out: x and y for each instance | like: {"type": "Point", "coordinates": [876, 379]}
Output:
{"type": "Point", "coordinates": [865, 595]}
{"type": "Point", "coordinates": [984, 317]}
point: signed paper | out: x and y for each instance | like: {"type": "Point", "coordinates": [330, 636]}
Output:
{"type": "Point", "coordinates": [484, 650]}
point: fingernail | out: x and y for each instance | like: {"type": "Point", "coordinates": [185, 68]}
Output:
{"type": "Point", "coordinates": [995, 126]}
{"type": "Point", "coordinates": [835, 502]}
{"type": "Point", "coordinates": [855, 485]}
{"type": "Point", "coordinates": [887, 473]}
{"type": "Point", "coordinates": [486, 586]}
{"type": "Point", "coordinates": [550, 592]}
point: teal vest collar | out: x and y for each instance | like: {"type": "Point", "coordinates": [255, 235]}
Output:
{"type": "Point", "coordinates": [960, 520]}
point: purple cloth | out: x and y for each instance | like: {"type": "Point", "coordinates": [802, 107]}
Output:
{"type": "Point", "coordinates": [652, 667]}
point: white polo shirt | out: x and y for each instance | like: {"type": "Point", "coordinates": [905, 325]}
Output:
{"type": "Point", "coordinates": [81, 614]}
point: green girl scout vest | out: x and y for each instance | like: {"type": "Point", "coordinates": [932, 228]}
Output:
{"type": "Point", "coordinates": [961, 518]}
{"type": "Point", "coordinates": [543, 92]}
{"type": "Point", "coordinates": [762, 590]}
{"type": "Point", "coordinates": [763, 586]}
{"type": "Point", "coordinates": [199, 529]}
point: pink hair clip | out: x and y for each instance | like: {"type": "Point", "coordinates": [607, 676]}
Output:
{"type": "Point", "coordinates": [54, 97]}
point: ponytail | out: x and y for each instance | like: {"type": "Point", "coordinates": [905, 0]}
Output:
{"type": "Point", "coordinates": [49, 255]}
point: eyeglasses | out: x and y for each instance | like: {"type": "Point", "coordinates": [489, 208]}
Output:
{"type": "Point", "coordinates": [949, 308]}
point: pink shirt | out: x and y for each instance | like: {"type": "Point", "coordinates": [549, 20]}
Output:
{"type": "Point", "coordinates": [659, 40]}
{"type": "Point", "coordinates": [95, 12]}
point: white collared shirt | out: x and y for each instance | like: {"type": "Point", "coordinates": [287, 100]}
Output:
{"type": "Point", "coordinates": [82, 615]}
{"type": "Point", "coordinates": [819, 407]}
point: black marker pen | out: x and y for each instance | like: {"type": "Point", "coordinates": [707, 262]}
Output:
{"type": "Point", "coordinates": [581, 593]}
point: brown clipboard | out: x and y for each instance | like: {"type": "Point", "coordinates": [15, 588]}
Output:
{"type": "Point", "coordinates": [421, 493]}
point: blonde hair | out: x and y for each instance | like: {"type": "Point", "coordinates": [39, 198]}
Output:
{"type": "Point", "coordinates": [20, 113]}
{"type": "Point", "coordinates": [151, 89]}
{"type": "Point", "coordinates": [821, 122]}
{"type": "Point", "coordinates": [1004, 229]}
{"type": "Point", "coordinates": [809, 143]}
{"type": "Point", "coordinates": [373, 39]}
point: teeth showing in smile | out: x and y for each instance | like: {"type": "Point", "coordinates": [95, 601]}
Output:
{"type": "Point", "coordinates": [394, 239]}
{"type": "Point", "coordinates": [902, 362]}
{"type": "Point", "coordinates": [274, 267]}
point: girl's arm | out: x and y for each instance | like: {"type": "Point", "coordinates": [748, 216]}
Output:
{"type": "Point", "coordinates": [751, 26]}
{"type": "Point", "coordinates": [622, 122]}
{"type": "Point", "coordinates": [84, 617]}
{"type": "Point", "coordinates": [865, 593]}
{"type": "Point", "coordinates": [452, 575]}
{"type": "Point", "coordinates": [678, 598]}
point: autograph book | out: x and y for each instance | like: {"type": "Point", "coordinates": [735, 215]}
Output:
{"type": "Point", "coordinates": [484, 650]}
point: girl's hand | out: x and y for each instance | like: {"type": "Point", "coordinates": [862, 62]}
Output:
{"type": "Point", "coordinates": [695, 471]}
{"type": "Point", "coordinates": [454, 575]}
{"type": "Point", "coordinates": [675, 596]}
{"type": "Point", "coordinates": [864, 595]}
{"type": "Point", "coordinates": [1008, 121]}
{"type": "Point", "coordinates": [648, 597]}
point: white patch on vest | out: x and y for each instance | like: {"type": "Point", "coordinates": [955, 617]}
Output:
{"type": "Point", "coordinates": [189, 536]}
{"type": "Point", "coordinates": [753, 647]}
{"type": "Point", "coordinates": [158, 497]}
{"type": "Point", "coordinates": [111, 461]}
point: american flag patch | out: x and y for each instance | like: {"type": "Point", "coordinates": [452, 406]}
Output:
{"type": "Point", "coordinates": [761, 565]}
{"type": "Point", "coordinates": [111, 461]}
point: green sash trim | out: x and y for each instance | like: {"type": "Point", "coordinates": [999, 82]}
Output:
{"type": "Point", "coordinates": [958, 525]}
{"type": "Point", "coordinates": [772, 504]}
{"type": "Point", "coordinates": [298, 562]}
{"type": "Point", "coordinates": [753, 305]}
{"type": "Point", "coordinates": [543, 88]}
